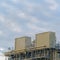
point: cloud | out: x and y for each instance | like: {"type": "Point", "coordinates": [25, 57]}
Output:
{"type": "Point", "coordinates": [53, 4]}
{"type": "Point", "coordinates": [18, 1]}
{"type": "Point", "coordinates": [34, 27]}
{"type": "Point", "coordinates": [5, 5]}
{"type": "Point", "coordinates": [2, 49]}
{"type": "Point", "coordinates": [2, 18]}
{"type": "Point", "coordinates": [1, 33]}
{"type": "Point", "coordinates": [8, 7]}
{"type": "Point", "coordinates": [30, 6]}
{"type": "Point", "coordinates": [22, 15]}
{"type": "Point", "coordinates": [31, 12]}
{"type": "Point", "coordinates": [34, 20]}
{"type": "Point", "coordinates": [53, 7]}
{"type": "Point", "coordinates": [10, 25]}
{"type": "Point", "coordinates": [27, 17]}
{"type": "Point", "coordinates": [13, 26]}
{"type": "Point", "coordinates": [15, 1]}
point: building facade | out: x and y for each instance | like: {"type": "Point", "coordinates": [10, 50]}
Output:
{"type": "Point", "coordinates": [3, 57]}
{"type": "Point", "coordinates": [43, 49]}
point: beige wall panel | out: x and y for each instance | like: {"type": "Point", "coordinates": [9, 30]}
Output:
{"type": "Point", "coordinates": [46, 39]}
{"type": "Point", "coordinates": [42, 40]}
{"type": "Point", "coordinates": [22, 43]}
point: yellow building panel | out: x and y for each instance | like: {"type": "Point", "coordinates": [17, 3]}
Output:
{"type": "Point", "coordinates": [19, 43]}
{"type": "Point", "coordinates": [46, 39]}
{"type": "Point", "coordinates": [22, 43]}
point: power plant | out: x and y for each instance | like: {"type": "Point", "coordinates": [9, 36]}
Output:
{"type": "Point", "coordinates": [42, 48]}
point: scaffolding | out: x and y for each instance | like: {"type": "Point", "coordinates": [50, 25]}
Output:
{"type": "Point", "coordinates": [35, 54]}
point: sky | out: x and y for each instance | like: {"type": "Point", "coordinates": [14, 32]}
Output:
{"type": "Point", "coordinates": [27, 18]}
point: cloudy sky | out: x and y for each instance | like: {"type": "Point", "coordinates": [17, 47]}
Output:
{"type": "Point", "coordinates": [27, 17]}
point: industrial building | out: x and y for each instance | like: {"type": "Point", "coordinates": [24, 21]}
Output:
{"type": "Point", "coordinates": [42, 48]}
{"type": "Point", "coordinates": [2, 56]}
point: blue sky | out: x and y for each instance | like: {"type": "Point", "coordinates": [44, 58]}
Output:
{"type": "Point", "coordinates": [27, 17]}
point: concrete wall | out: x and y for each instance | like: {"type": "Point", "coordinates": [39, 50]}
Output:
{"type": "Point", "coordinates": [2, 57]}
{"type": "Point", "coordinates": [52, 39]}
